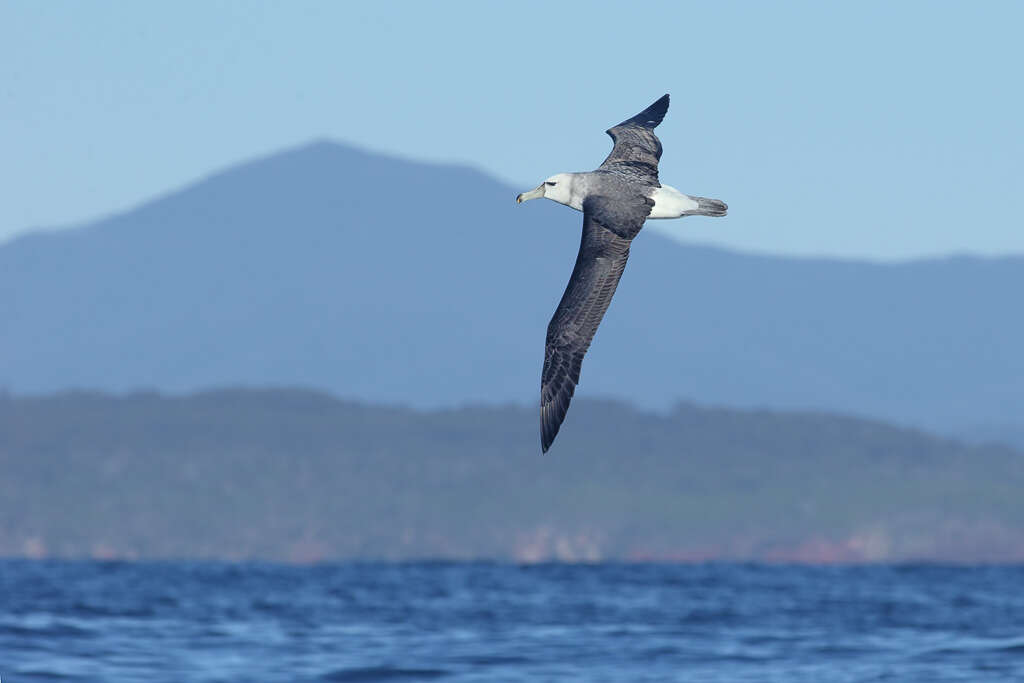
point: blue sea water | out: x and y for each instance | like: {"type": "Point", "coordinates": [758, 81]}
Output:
{"type": "Point", "coordinates": [120, 622]}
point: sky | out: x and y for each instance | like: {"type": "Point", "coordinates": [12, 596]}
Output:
{"type": "Point", "coordinates": [876, 130]}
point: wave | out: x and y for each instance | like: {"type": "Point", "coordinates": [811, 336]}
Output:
{"type": "Point", "coordinates": [382, 673]}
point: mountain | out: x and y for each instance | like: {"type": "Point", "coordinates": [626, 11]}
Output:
{"type": "Point", "coordinates": [391, 281]}
{"type": "Point", "coordinates": [298, 475]}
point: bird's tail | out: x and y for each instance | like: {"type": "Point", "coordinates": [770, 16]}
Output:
{"type": "Point", "coordinates": [708, 207]}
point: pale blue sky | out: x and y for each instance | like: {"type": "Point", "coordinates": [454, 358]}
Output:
{"type": "Point", "coordinates": [883, 130]}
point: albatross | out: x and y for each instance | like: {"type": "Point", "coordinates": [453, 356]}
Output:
{"type": "Point", "coordinates": [615, 200]}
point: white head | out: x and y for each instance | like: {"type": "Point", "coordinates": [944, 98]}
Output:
{"type": "Point", "coordinates": [557, 188]}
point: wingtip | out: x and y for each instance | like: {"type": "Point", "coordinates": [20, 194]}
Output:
{"type": "Point", "coordinates": [659, 108]}
{"type": "Point", "coordinates": [546, 437]}
{"type": "Point", "coordinates": [549, 426]}
{"type": "Point", "coordinates": [651, 116]}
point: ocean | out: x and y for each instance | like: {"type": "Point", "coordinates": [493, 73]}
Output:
{"type": "Point", "coordinates": [185, 621]}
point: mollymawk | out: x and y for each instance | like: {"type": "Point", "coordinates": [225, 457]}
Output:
{"type": "Point", "coordinates": [615, 200]}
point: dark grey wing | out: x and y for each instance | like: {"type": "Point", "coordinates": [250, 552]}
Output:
{"type": "Point", "coordinates": [599, 265]}
{"type": "Point", "coordinates": [637, 149]}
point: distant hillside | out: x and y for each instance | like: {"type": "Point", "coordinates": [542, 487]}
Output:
{"type": "Point", "coordinates": [296, 475]}
{"type": "Point", "coordinates": [398, 282]}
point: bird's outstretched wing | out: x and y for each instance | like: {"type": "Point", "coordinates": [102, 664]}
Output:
{"type": "Point", "coordinates": [604, 249]}
{"type": "Point", "coordinates": [637, 149]}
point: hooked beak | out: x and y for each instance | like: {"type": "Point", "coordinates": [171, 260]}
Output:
{"type": "Point", "coordinates": [532, 194]}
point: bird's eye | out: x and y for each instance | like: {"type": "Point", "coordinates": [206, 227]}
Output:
{"type": "Point", "coordinates": [550, 183]}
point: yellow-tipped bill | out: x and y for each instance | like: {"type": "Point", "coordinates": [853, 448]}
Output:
{"type": "Point", "coordinates": [532, 194]}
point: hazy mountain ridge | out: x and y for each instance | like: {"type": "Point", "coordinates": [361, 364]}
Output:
{"type": "Point", "coordinates": [298, 475]}
{"type": "Point", "coordinates": [400, 282]}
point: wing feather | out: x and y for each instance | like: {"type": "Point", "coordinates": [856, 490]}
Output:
{"type": "Point", "coordinates": [599, 266]}
{"type": "Point", "coordinates": [637, 149]}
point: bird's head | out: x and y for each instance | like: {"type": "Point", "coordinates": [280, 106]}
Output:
{"type": "Point", "coordinates": [557, 188]}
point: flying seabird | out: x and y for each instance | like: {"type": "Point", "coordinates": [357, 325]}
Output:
{"type": "Point", "coordinates": [615, 200]}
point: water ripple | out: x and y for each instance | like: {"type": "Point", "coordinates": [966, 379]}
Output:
{"type": "Point", "coordinates": [134, 623]}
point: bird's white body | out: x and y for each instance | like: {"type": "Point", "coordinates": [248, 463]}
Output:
{"type": "Point", "coordinates": [571, 188]}
{"type": "Point", "coordinates": [671, 203]}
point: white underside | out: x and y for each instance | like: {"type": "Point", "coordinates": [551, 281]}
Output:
{"type": "Point", "coordinates": [671, 203]}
